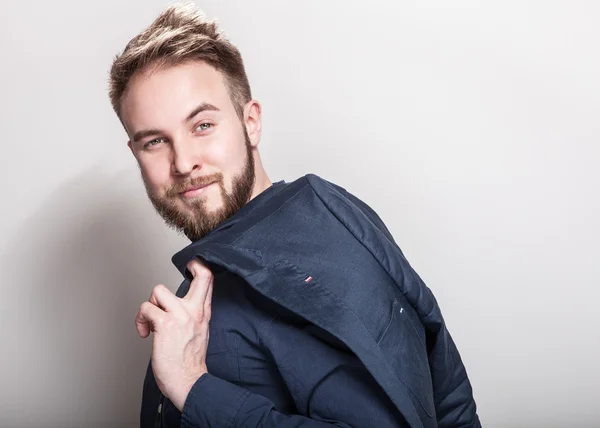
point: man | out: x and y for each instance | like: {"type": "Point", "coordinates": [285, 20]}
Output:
{"type": "Point", "coordinates": [316, 319]}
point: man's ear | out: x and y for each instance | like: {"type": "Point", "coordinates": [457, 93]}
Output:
{"type": "Point", "coordinates": [253, 121]}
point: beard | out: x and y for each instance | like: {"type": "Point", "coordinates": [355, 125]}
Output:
{"type": "Point", "coordinates": [200, 221]}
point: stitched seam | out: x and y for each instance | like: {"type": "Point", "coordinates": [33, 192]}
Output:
{"type": "Point", "coordinates": [414, 327]}
{"type": "Point", "coordinates": [258, 340]}
{"type": "Point", "coordinates": [260, 335]}
{"type": "Point", "coordinates": [237, 360]}
{"type": "Point", "coordinates": [243, 400]}
{"type": "Point", "coordinates": [281, 369]}
{"type": "Point", "coordinates": [389, 323]}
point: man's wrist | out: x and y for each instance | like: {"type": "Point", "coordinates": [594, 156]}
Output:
{"type": "Point", "coordinates": [179, 394]}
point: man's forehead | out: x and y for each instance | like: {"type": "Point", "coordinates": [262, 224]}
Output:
{"type": "Point", "coordinates": [170, 93]}
{"type": "Point", "coordinates": [180, 79]}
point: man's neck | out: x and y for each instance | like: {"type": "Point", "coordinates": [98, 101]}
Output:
{"type": "Point", "coordinates": [262, 183]}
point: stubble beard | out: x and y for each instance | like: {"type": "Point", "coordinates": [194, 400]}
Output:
{"type": "Point", "coordinates": [196, 221]}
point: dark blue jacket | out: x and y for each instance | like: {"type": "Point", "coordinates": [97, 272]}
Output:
{"type": "Point", "coordinates": [321, 253]}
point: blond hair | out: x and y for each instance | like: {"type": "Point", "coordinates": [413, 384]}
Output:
{"type": "Point", "coordinates": [180, 33]}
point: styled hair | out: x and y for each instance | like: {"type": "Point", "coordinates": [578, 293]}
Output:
{"type": "Point", "coordinates": [181, 33]}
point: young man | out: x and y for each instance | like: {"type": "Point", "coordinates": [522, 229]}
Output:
{"type": "Point", "coordinates": [316, 318]}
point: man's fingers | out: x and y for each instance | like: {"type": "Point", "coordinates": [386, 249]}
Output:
{"type": "Point", "coordinates": [200, 285]}
{"type": "Point", "coordinates": [148, 318]}
{"type": "Point", "coordinates": [163, 298]}
{"type": "Point", "coordinates": [208, 302]}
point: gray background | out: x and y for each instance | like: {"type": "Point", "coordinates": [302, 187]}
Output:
{"type": "Point", "coordinates": [471, 127]}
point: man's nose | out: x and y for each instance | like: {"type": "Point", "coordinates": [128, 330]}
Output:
{"type": "Point", "coordinates": [186, 157]}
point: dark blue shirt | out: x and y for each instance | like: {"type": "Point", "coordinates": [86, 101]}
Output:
{"type": "Point", "coordinates": [299, 369]}
{"type": "Point", "coordinates": [268, 367]}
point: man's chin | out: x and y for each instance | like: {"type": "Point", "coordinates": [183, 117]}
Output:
{"type": "Point", "coordinates": [199, 208]}
{"type": "Point", "coordinates": [201, 211]}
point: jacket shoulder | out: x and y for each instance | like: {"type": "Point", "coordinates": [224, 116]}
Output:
{"type": "Point", "coordinates": [329, 192]}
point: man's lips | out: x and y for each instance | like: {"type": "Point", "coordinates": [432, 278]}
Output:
{"type": "Point", "coordinates": [193, 191]}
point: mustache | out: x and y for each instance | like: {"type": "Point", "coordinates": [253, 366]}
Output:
{"type": "Point", "coordinates": [178, 188]}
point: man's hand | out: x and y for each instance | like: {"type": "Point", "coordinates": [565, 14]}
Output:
{"type": "Point", "coordinates": [180, 327]}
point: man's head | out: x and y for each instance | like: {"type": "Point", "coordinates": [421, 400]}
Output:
{"type": "Point", "coordinates": [181, 92]}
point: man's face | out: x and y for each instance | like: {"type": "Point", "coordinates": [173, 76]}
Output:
{"type": "Point", "coordinates": [193, 150]}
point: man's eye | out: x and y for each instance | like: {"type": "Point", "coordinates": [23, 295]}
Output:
{"type": "Point", "coordinates": [203, 126]}
{"type": "Point", "coordinates": [154, 142]}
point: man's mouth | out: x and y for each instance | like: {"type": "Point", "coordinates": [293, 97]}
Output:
{"type": "Point", "coordinates": [195, 191]}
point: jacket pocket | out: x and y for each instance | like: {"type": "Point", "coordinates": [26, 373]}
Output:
{"type": "Point", "coordinates": [222, 355]}
{"type": "Point", "coordinates": [403, 344]}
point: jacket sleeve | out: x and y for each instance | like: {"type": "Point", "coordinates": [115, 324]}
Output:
{"type": "Point", "coordinates": [214, 402]}
{"type": "Point", "coordinates": [340, 395]}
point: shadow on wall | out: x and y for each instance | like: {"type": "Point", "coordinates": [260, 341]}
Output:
{"type": "Point", "coordinates": [83, 264]}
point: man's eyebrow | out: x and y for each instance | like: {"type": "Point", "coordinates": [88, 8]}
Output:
{"type": "Point", "coordinates": [149, 132]}
{"type": "Point", "coordinates": [202, 107]}
{"type": "Point", "coordinates": [145, 133]}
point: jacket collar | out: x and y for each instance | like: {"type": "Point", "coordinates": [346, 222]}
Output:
{"type": "Point", "coordinates": [217, 235]}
